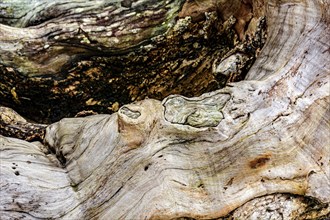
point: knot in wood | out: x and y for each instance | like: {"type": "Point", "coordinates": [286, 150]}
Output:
{"type": "Point", "coordinates": [196, 112]}
{"type": "Point", "coordinates": [135, 121]}
{"type": "Point", "coordinates": [130, 113]}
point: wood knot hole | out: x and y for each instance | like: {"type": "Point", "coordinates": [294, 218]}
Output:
{"type": "Point", "coordinates": [130, 113]}
{"type": "Point", "coordinates": [259, 162]}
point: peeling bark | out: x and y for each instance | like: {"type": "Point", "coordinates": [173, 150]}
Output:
{"type": "Point", "coordinates": [262, 142]}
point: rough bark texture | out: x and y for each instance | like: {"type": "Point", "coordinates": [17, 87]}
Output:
{"type": "Point", "coordinates": [254, 143]}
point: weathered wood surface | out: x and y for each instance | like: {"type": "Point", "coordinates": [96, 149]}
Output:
{"type": "Point", "coordinates": [59, 59]}
{"type": "Point", "coordinates": [199, 157]}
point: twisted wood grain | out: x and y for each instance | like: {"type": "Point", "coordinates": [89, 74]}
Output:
{"type": "Point", "coordinates": [199, 157]}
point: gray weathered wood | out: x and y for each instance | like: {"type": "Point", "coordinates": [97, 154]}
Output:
{"type": "Point", "coordinates": [199, 157]}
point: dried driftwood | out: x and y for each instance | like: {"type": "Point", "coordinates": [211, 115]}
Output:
{"type": "Point", "coordinates": [262, 142]}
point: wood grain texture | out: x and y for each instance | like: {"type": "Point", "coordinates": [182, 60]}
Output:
{"type": "Point", "coordinates": [39, 45]}
{"type": "Point", "coordinates": [60, 58]}
{"type": "Point", "coordinates": [199, 157]}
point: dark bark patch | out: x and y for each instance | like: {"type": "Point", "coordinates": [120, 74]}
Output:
{"type": "Point", "coordinates": [259, 162]}
{"type": "Point", "coordinates": [126, 3]}
{"type": "Point", "coordinates": [230, 182]}
{"type": "Point", "coordinates": [147, 167]}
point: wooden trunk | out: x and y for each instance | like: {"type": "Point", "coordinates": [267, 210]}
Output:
{"type": "Point", "coordinates": [257, 148]}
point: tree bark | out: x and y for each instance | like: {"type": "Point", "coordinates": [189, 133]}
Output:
{"type": "Point", "coordinates": [262, 142]}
